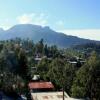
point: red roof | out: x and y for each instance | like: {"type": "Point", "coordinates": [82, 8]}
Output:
{"type": "Point", "coordinates": [40, 85]}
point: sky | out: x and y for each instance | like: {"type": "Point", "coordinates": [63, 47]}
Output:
{"type": "Point", "coordinates": [73, 17]}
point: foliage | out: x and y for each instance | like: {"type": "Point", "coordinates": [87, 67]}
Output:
{"type": "Point", "coordinates": [17, 57]}
{"type": "Point", "coordinates": [83, 85]}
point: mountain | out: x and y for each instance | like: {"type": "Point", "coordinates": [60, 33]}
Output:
{"type": "Point", "coordinates": [1, 30]}
{"type": "Point", "coordinates": [36, 32]}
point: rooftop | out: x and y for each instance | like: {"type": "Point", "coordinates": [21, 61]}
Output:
{"type": "Point", "coordinates": [51, 96]}
{"type": "Point", "coordinates": [36, 77]}
{"type": "Point", "coordinates": [40, 85]}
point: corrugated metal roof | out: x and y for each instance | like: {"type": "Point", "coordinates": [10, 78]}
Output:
{"type": "Point", "coordinates": [41, 85]}
{"type": "Point", "coordinates": [51, 96]}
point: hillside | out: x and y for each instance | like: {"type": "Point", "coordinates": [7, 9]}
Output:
{"type": "Point", "coordinates": [36, 32]}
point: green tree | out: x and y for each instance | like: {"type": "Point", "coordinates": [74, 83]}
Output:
{"type": "Point", "coordinates": [56, 72]}
{"type": "Point", "coordinates": [23, 67]}
{"type": "Point", "coordinates": [40, 47]}
{"type": "Point", "coordinates": [83, 85]}
{"type": "Point", "coordinates": [43, 68]}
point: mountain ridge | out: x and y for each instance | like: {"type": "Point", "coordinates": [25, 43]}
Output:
{"type": "Point", "coordinates": [36, 32]}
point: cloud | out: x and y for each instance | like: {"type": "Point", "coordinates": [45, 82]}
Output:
{"type": "Point", "coordinates": [60, 24]}
{"type": "Point", "coordinates": [6, 23]}
{"type": "Point", "coordinates": [37, 19]}
{"type": "Point", "coordinates": [93, 34]}
{"type": "Point", "coordinates": [24, 19]}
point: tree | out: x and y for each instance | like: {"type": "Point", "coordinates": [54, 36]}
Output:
{"type": "Point", "coordinates": [83, 85]}
{"type": "Point", "coordinates": [55, 73]}
{"type": "Point", "coordinates": [69, 75]}
{"type": "Point", "coordinates": [40, 47]}
{"type": "Point", "coordinates": [1, 46]}
{"type": "Point", "coordinates": [43, 68]}
{"type": "Point", "coordinates": [46, 52]}
{"type": "Point", "coordinates": [23, 68]}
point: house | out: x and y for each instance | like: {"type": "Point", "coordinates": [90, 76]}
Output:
{"type": "Point", "coordinates": [44, 91]}
{"type": "Point", "coordinates": [51, 96]}
{"type": "Point", "coordinates": [36, 78]}
{"type": "Point", "coordinates": [40, 86]}
{"type": "Point", "coordinates": [38, 57]}
{"type": "Point", "coordinates": [73, 62]}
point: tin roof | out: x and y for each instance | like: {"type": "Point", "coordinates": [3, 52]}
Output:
{"type": "Point", "coordinates": [40, 85]}
{"type": "Point", "coordinates": [51, 96]}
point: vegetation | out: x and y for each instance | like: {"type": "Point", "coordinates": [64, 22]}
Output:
{"type": "Point", "coordinates": [86, 81]}
{"type": "Point", "coordinates": [17, 58]}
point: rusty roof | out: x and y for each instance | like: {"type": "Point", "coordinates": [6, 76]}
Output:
{"type": "Point", "coordinates": [40, 85]}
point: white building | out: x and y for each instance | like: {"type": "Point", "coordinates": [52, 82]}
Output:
{"type": "Point", "coordinates": [51, 96]}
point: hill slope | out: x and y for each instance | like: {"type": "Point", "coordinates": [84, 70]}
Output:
{"type": "Point", "coordinates": [36, 32]}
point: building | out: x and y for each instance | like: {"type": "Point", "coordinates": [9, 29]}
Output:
{"type": "Point", "coordinates": [36, 78]}
{"type": "Point", "coordinates": [44, 91]}
{"type": "Point", "coordinates": [40, 86]}
{"type": "Point", "coordinates": [51, 96]}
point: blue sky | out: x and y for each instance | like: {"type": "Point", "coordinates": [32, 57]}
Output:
{"type": "Point", "coordinates": [73, 17]}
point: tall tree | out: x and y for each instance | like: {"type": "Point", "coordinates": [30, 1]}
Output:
{"type": "Point", "coordinates": [84, 84]}
{"type": "Point", "coordinates": [23, 68]}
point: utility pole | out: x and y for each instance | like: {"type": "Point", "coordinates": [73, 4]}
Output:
{"type": "Point", "coordinates": [63, 92]}
{"type": "Point", "coordinates": [63, 87]}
